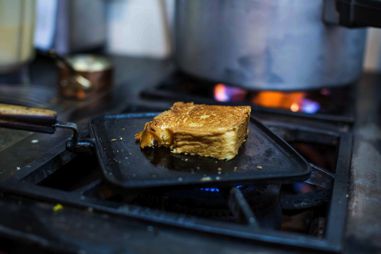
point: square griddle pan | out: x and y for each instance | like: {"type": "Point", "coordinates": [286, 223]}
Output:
{"type": "Point", "coordinates": [263, 157]}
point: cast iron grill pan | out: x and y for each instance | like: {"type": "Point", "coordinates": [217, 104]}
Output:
{"type": "Point", "coordinates": [263, 157]}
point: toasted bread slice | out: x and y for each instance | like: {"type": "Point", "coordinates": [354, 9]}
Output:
{"type": "Point", "coordinates": [211, 131]}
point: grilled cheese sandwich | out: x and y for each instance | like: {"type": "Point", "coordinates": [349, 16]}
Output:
{"type": "Point", "coordinates": [197, 129]}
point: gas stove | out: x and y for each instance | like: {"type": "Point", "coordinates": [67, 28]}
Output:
{"type": "Point", "coordinates": [55, 200]}
{"type": "Point", "coordinates": [326, 104]}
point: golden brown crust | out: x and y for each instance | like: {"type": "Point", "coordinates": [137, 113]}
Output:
{"type": "Point", "coordinates": [216, 131]}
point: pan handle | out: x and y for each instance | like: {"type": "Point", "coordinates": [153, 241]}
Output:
{"type": "Point", "coordinates": [41, 120]}
{"type": "Point", "coordinates": [28, 118]}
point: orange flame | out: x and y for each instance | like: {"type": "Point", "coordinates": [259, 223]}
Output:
{"type": "Point", "coordinates": [293, 101]}
{"type": "Point", "coordinates": [284, 100]}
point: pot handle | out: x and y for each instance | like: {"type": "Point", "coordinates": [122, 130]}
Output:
{"type": "Point", "coordinates": [359, 13]}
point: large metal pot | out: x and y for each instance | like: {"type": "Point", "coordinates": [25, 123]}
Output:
{"type": "Point", "coordinates": [262, 44]}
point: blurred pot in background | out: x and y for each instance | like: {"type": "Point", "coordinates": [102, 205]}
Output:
{"type": "Point", "coordinates": [87, 75]}
{"type": "Point", "coordinates": [69, 26]}
{"type": "Point", "coordinates": [271, 45]}
{"type": "Point", "coordinates": [16, 32]}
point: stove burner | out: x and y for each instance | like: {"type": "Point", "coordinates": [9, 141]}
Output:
{"type": "Point", "coordinates": [216, 204]}
{"type": "Point", "coordinates": [269, 206]}
{"type": "Point", "coordinates": [330, 102]}
{"type": "Point", "coordinates": [260, 212]}
{"type": "Point", "coordinates": [292, 101]}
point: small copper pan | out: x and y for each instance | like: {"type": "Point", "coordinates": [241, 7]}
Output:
{"type": "Point", "coordinates": [86, 76]}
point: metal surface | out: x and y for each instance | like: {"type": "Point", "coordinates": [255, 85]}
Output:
{"type": "Point", "coordinates": [364, 224]}
{"type": "Point", "coordinates": [74, 81]}
{"type": "Point", "coordinates": [72, 199]}
{"type": "Point", "coordinates": [27, 118]}
{"type": "Point", "coordinates": [320, 177]}
{"type": "Point", "coordinates": [280, 45]}
{"type": "Point", "coordinates": [43, 231]}
{"type": "Point", "coordinates": [71, 26]}
{"type": "Point", "coordinates": [359, 13]}
{"type": "Point", "coordinates": [35, 119]}
{"type": "Point", "coordinates": [21, 151]}
{"type": "Point", "coordinates": [28, 221]}
{"type": "Point", "coordinates": [181, 87]}
{"type": "Point", "coordinates": [293, 242]}
{"type": "Point", "coordinates": [241, 208]}
{"type": "Point", "coordinates": [17, 19]}
{"type": "Point", "coordinates": [305, 200]}
{"type": "Point", "coordinates": [264, 157]}
{"type": "Point", "coordinates": [87, 75]}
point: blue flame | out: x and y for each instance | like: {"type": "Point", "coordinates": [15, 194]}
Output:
{"type": "Point", "coordinates": [213, 189]}
{"type": "Point", "coordinates": [210, 189]}
{"type": "Point", "coordinates": [310, 107]}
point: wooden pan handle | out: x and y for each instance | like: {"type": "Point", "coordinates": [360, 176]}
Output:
{"type": "Point", "coordinates": [27, 118]}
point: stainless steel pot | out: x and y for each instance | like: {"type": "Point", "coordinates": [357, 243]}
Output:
{"type": "Point", "coordinates": [262, 44]}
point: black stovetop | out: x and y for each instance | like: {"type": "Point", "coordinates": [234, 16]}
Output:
{"type": "Point", "coordinates": [55, 200]}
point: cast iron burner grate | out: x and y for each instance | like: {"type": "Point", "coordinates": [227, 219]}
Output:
{"type": "Point", "coordinates": [327, 104]}
{"type": "Point", "coordinates": [300, 215]}
{"type": "Point", "coordinates": [220, 204]}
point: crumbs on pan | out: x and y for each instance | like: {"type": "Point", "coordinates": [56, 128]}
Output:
{"type": "Point", "coordinates": [116, 139]}
{"type": "Point", "coordinates": [206, 178]}
{"type": "Point", "coordinates": [57, 208]}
